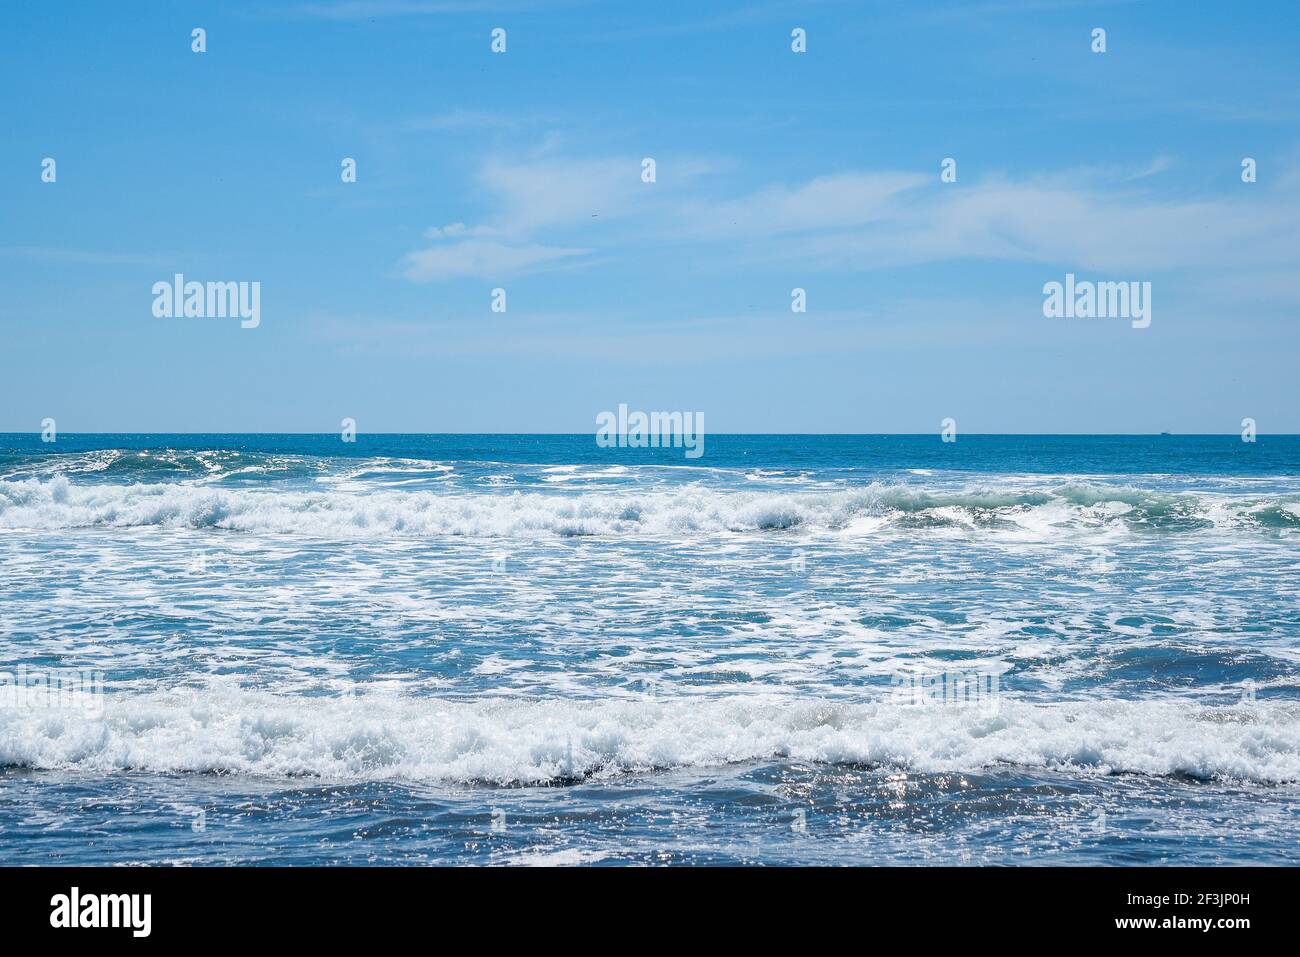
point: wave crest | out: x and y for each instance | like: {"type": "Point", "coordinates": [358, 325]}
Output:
{"type": "Point", "coordinates": [57, 503]}
{"type": "Point", "coordinates": [383, 735]}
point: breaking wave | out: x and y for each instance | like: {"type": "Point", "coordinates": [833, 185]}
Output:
{"type": "Point", "coordinates": [384, 735]}
{"type": "Point", "coordinates": [58, 503]}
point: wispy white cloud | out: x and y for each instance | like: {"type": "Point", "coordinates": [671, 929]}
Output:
{"type": "Point", "coordinates": [529, 196]}
{"type": "Point", "coordinates": [826, 202]}
{"type": "Point", "coordinates": [1115, 217]}
{"type": "Point", "coordinates": [1088, 227]}
{"type": "Point", "coordinates": [551, 192]}
{"type": "Point", "coordinates": [483, 259]}
{"type": "Point", "coordinates": [1105, 218]}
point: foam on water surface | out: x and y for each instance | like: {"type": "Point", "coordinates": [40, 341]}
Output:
{"type": "Point", "coordinates": [289, 630]}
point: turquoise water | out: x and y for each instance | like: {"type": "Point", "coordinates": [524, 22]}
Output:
{"type": "Point", "coordinates": [794, 649]}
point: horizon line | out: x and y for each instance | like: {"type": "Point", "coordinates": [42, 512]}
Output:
{"type": "Point", "coordinates": [715, 434]}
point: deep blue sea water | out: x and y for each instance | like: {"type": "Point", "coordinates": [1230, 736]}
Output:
{"type": "Point", "coordinates": [530, 649]}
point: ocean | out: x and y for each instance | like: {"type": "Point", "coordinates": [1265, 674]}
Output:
{"type": "Point", "coordinates": [528, 649]}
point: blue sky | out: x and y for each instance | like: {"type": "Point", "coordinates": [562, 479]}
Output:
{"type": "Point", "coordinates": [775, 170]}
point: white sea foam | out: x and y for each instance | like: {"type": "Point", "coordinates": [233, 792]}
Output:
{"type": "Point", "coordinates": [384, 735]}
{"type": "Point", "coordinates": [58, 503]}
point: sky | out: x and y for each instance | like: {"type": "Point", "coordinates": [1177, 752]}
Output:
{"type": "Point", "coordinates": [774, 170]}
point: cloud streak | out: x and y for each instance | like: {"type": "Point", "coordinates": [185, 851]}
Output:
{"type": "Point", "coordinates": [551, 210]}
{"type": "Point", "coordinates": [483, 259]}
